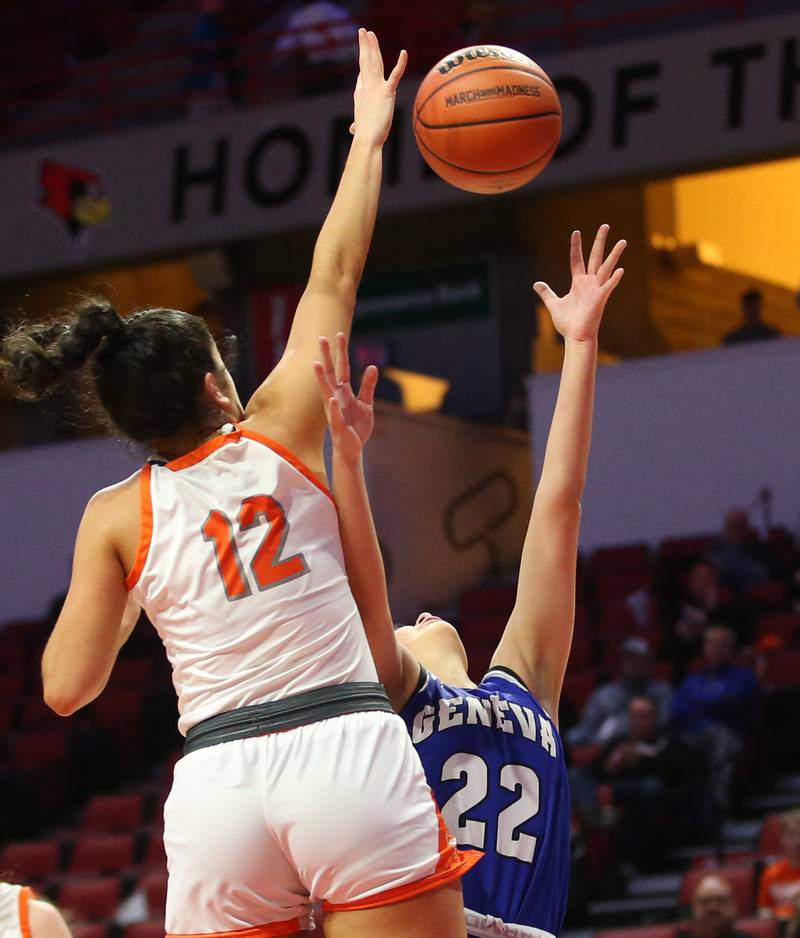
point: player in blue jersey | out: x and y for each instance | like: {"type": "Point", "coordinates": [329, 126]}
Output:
{"type": "Point", "coordinates": [491, 751]}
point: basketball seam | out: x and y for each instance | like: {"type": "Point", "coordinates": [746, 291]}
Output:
{"type": "Point", "coordinates": [492, 120]}
{"type": "Point", "coordinates": [486, 172]}
{"type": "Point", "coordinates": [488, 68]}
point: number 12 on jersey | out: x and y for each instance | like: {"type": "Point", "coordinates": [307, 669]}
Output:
{"type": "Point", "coordinates": [474, 772]}
{"type": "Point", "coordinates": [268, 567]}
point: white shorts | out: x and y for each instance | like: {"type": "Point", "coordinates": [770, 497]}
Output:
{"type": "Point", "coordinates": [337, 812]}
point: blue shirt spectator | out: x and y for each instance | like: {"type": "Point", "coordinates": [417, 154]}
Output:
{"type": "Point", "coordinates": [720, 694]}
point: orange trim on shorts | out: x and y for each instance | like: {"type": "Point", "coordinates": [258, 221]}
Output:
{"type": "Point", "coordinates": [25, 896]}
{"type": "Point", "coordinates": [146, 527]}
{"type": "Point", "coordinates": [290, 457]}
{"type": "Point", "coordinates": [453, 864]}
{"type": "Point", "coordinates": [256, 931]}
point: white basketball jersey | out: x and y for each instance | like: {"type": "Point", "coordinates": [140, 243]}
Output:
{"type": "Point", "coordinates": [14, 911]}
{"type": "Point", "coordinates": [240, 569]}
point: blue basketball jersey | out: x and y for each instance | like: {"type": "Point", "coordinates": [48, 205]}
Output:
{"type": "Point", "coordinates": [495, 763]}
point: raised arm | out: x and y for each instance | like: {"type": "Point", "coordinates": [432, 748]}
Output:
{"type": "Point", "coordinates": [287, 404]}
{"type": "Point", "coordinates": [350, 419]}
{"type": "Point", "coordinates": [537, 639]}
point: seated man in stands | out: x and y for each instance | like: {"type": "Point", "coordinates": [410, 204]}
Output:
{"type": "Point", "coordinates": [740, 558]}
{"type": "Point", "coordinates": [605, 715]}
{"type": "Point", "coordinates": [753, 328]}
{"type": "Point", "coordinates": [779, 891]}
{"type": "Point", "coordinates": [656, 780]}
{"type": "Point", "coordinates": [716, 706]}
{"type": "Point", "coordinates": [713, 911]}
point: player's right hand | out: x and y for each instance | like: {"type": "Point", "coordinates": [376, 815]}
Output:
{"type": "Point", "coordinates": [350, 417]}
{"type": "Point", "coordinates": [374, 96]}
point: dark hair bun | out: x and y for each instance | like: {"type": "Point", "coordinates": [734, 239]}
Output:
{"type": "Point", "coordinates": [34, 359]}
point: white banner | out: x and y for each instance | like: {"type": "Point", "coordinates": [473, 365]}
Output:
{"type": "Point", "coordinates": [681, 102]}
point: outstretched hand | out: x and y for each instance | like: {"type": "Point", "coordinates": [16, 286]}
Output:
{"type": "Point", "coordinates": [350, 416]}
{"type": "Point", "coordinates": [577, 315]}
{"type": "Point", "coordinates": [374, 96]}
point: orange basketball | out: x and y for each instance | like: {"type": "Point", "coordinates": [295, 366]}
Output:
{"type": "Point", "coordinates": [487, 119]}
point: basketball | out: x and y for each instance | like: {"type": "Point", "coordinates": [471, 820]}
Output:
{"type": "Point", "coordinates": [487, 119]}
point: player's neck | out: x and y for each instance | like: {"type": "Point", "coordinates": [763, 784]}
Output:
{"type": "Point", "coordinates": [454, 675]}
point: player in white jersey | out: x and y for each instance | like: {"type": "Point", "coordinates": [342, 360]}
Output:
{"type": "Point", "coordinates": [298, 783]}
{"type": "Point", "coordinates": [24, 916]}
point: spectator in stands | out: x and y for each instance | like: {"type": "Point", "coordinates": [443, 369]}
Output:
{"type": "Point", "coordinates": [213, 79]}
{"type": "Point", "coordinates": [702, 602]}
{"type": "Point", "coordinates": [753, 328]}
{"type": "Point", "coordinates": [716, 707]}
{"type": "Point", "coordinates": [318, 36]}
{"type": "Point", "coordinates": [656, 780]}
{"type": "Point", "coordinates": [713, 911]}
{"type": "Point", "coordinates": [606, 712]}
{"type": "Point", "coordinates": [779, 891]}
{"type": "Point", "coordinates": [740, 559]}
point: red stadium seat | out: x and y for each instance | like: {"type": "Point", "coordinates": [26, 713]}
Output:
{"type": "Point", "coordinates": [12, 687]}
{"type": "Point", "coordinates": [772, 594]}
{"type": "Point", "coordinates": [31, 861]}
{"type": "Point", "coordinates": [710, 862]}
{"type": "Point", "coordinates": [102, 854]}
{"type": "Point", "coordinates": [578, 687]}
{"type": "Point", "coordinates": [584, 755]}
{"type": "Point", "coordinates": [621, 559]}
{"type": "Point", "coordinates": [781, 669]}
{"type": "Point", "coordinates": [131, 673]}
{"type": "Point", "coordinates": [113, 813]}
{"type": "Point", "coordinates": [740, 878]}
{"type": "Point", "coordinates": [155, 889]}
{"type": "Point", "coordinates": [769, 843]}
{"type": "Point", "coordinates": [684, 548]}
{"type": "Point", "coordinates": [488, 601]}
{"type": "Point", "coordinates": [646, 931]}
{"type": "Point", "coordinates": [758, 927]}
{"type": "Point", "coordinates": [782, 625]}
{"type": "Point", "coordinates": [153, 928]}
{"type": "Point", "coordinates": [155, 855]}
{"type": "Point", "coordinates": [91, 899]}
{"type": "Point", "coordinates": [87, 930]}
{"type": "Point", "coordinates": [44, 750]}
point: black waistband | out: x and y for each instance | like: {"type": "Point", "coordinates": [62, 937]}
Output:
{"type": "Point", "coordinates": [287, 713]}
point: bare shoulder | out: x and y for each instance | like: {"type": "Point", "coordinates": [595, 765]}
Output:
{"type": "Point", "coordinates": [46, 921]}
{"type": "Point", "coordinates": [114, 502]}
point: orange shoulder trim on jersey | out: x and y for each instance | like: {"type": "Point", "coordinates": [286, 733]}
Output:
{"type": "Point", "coordinates": [201, 452]}
{"type": "Point", "coordinates": [25, 896]}
{"type": "Point", "coordinates": [145, 527]}
{"type": "Point", "coordinates": [290, 457]}
{"type": "Point", "coordinates": [257, 931]}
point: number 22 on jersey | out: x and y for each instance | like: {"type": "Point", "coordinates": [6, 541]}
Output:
{"type": "Point", "coordinates": [268, 567]}
{"type": "Point", "coordinates": [474, 772]}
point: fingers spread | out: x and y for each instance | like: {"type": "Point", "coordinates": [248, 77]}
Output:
{"type": "Point", "coordinates": [613, 280]}
{"type": "Point", "coordinates": [325, 387]}
{"type": "Point", "coordinates": [544, 292]}
{"type": "Point", "coordinates": [611, 261]}
{"type": "Point", "coordinates": [377, 58]}
{"type": "Point", "coordinates": [342, 359]}
{"type": "Point", "coordinates": [598, 249]}
{"type": "Point", "coordinates": [398, 70]}
{"type": "Point", "coordinates": [366, 393]}
{"type": "Point", "coordinates": [327, 360]}
{"type": "Point", "coordinates": [576, 264]}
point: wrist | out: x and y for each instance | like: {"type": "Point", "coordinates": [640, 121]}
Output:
{"type": "Point", "coordinates": [367, 140]}
{"type": "Point", "coordinates": [590, 343]}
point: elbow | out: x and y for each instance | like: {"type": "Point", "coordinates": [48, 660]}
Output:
{"type": "Point", "coordinates": [60, 702]}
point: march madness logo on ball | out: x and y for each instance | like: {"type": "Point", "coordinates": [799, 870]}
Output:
{"type": "Point", "coordinates": [74, 195]}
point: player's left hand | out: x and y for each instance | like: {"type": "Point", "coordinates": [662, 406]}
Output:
{"type": "Point", "coordinates": [350, 416]}
{"type": "Point", "coordinates": [577, 315]}
{"type": "Point", "coordinates": [374, 97]}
